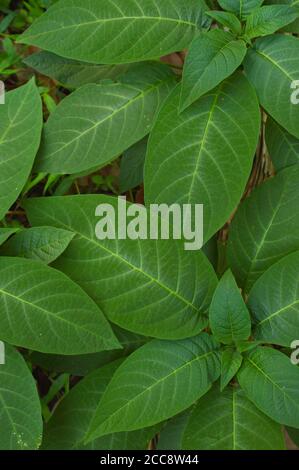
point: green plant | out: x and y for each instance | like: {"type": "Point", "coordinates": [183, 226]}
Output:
{"type": "Point", "coordinates": [192, 345]}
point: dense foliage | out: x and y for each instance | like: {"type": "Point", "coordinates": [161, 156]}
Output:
{"type": "Point", "coordinates": [135, 344]}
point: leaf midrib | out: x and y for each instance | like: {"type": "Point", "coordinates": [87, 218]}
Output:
{"type": "Point", "coordinates": [27, 37]}
{"type": "Point", "coordinates": [135, 268]}
{"type": "Point", "coordinates": [47, 312]}
{"type": "Point", "coordinates": [162, 379]}
{"type": "Point", "coordinates": [254, 364]}
{"type": "Point", "coordinates": [140, 96]}
{"type": "Point", "coordinates": [278, 312]}
{"type": "Point", "coordinates": [276, 64]}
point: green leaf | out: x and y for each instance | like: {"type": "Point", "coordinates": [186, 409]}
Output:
{"type": "Point", "coordinates": [116, 31]}
{"type": "Point", "coordinates": [282, 146]}
{"type": "Point", "coordinates": [132, 166]}
{"type": "Point", "coordinates": [170, 437]}
{"type": "Point", "coordinates": [82, 365]}
{"type": "Point", "coordinates": [157, 390]}
{"type": "Point", "coordinates": [270, 381]}
{"type": "Point", "coordinates": [274, 302]}
{"type": "Point", "coordinates": [41, 243]}
{"type": "Point", "coordinates": [240, 7]}
{"type": "Point", "coordinates": [215, 138]}
{"type": "Point", "coordinates": [294, 27]}
{"type": "Point", "coordinates": [20, 130]}
{"type": "Point", "coordinates": [294, 435]}
{"type": "Point", "coordinates": [212, 57]}
{"type": "Point", "coordinates": [20, 416]}
{"type": "Point", "coordinates": [244, 346]}
{"type": "Point", "coordinates": [151, 287]}
{"type": "Point", "coordinates": [265, 228]}
{"type": "Point", "coordinates": [5, 233]}
{"type": "Point", "coordinates": [41, 309]}
{"type": "Point", "coordinates": [269, 19]}
{"type": "Point", "coordinates": [272, 66]}
{"type": "Point", "coordinates": [231, 361]}
{"type": "Point", "coordinates": [229, 317]}
{"type": "Point", "coordinates": [71, 419]}
{"type": "Point", "coordinates": [229, 421]}
{"type": "Point", "coordinates": [96, 123]}
{"type": "Point", "coordinates": [227, 19]}
{"type": "Point", "coordinates": [73, 73]}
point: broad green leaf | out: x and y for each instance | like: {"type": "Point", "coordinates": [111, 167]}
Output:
{"type": "Point", "coordinates": [20, 130]}
{"type": "Point", "coordinates": [41, 243]}
{"type": "Point", "coordinates": [41, 309]}
{"type": "Point", "coordinates": [231, 361]}
{"type": "Point", "coordinates": [269, 19]}
{"type": "Point", "coordinates": [274, 302]}
{"type": "Point", "coordinates": [170, 437]}
{"type": "Point", "coordinates": [72, 73]}
{"type": "Point", "coordinates": [151, 287]}
{"type": "Point", "coordinates": [240, 7]}
{"type": "Point", "coordinates": [20, 413]}
{"type": "Point", "coordinates": [229, 317]}
{"type": "Point", "coordinates": [272, 66]}
{"type": "Point", "coordinates": [145, 391]}
{"type": "Point", "coordinates": [294, 435]}
{"type": "Point", "coordinates": [116, 31]}
{"type": "Point", "coordinates": [294, 27]}
{"type": "Point", "coordinates": [70, 421]}
{"type": "Point", "coordinates": [82, 365]}
{"type": "Point", "coordinates": [132, 166]}
{"type": "Point", "coordinates": [97, 122]}
{"type": "Point", "coordinates": [270, 381]}
{"type": "Point", "coordinates": [5, 233]}
{"type": "Point", "coordinates": [229, 421]}
{"type": "Point", "coordinates": [213, 56]}
{"type": "Point", "coordinates": [227, 19]}
{"type": "Point", "coordinates": [282, 146]}
{"type": "Point", "coordinates": [265, 228]}
{"type": "Point", "coordinates": [215, 138]}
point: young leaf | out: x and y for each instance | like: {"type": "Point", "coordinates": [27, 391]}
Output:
{"type": "Point", "coordinates": [116, 31]}
{"type": "Point", "coordinates": [227, 19]}
{"type": "Point", "coordinates": [41, 309]}
{"type": "Point", "coordinates": [20, 130]}
{"type": "Point", "coordinates": [215, 139]}
{"type": "Point", "coordinates": [270, 381]}
{"type": "Point", "coordinates": [268, 19]}
{"type": "Point", "coordinates": [229, 317]}
{"type": "Point", "coordinates": [274, 302]}
{"type": "Point", "coordinates": [5, 233]}
{"type": "Point", "coordinates": [20, 418]}
{"type": "Point", "coordinates": [240, 7]}
{"type": "Point", "coordinates": [282, 146]}
{"type": "Point", "coordinates": [231, 361]}
{"type": "Point", "coordinates": [272, 66]}
{"type": "Point", "coordinates": [72, 73]}
{"type": "Point", "coordinates": [265, 227]}
{"type": "Point", "coordinates": [82, 365]}
{"type": "Point", "coordinates": [229, 421]}
{"type": "Point", "coordinates": [132, 166]}
{"type": "Point", "coordinates": [212, 57]}
{"type": "Point", "coordinates": [145, 391]}
{"type": "Point", "coordinates": [67, 427]}
{"type": "Point", "coordinates": [41, 243]}
{"type": "Point", "coordinates": [151, 287]}
{"type": "Point", "coordinates": [84, 130]}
